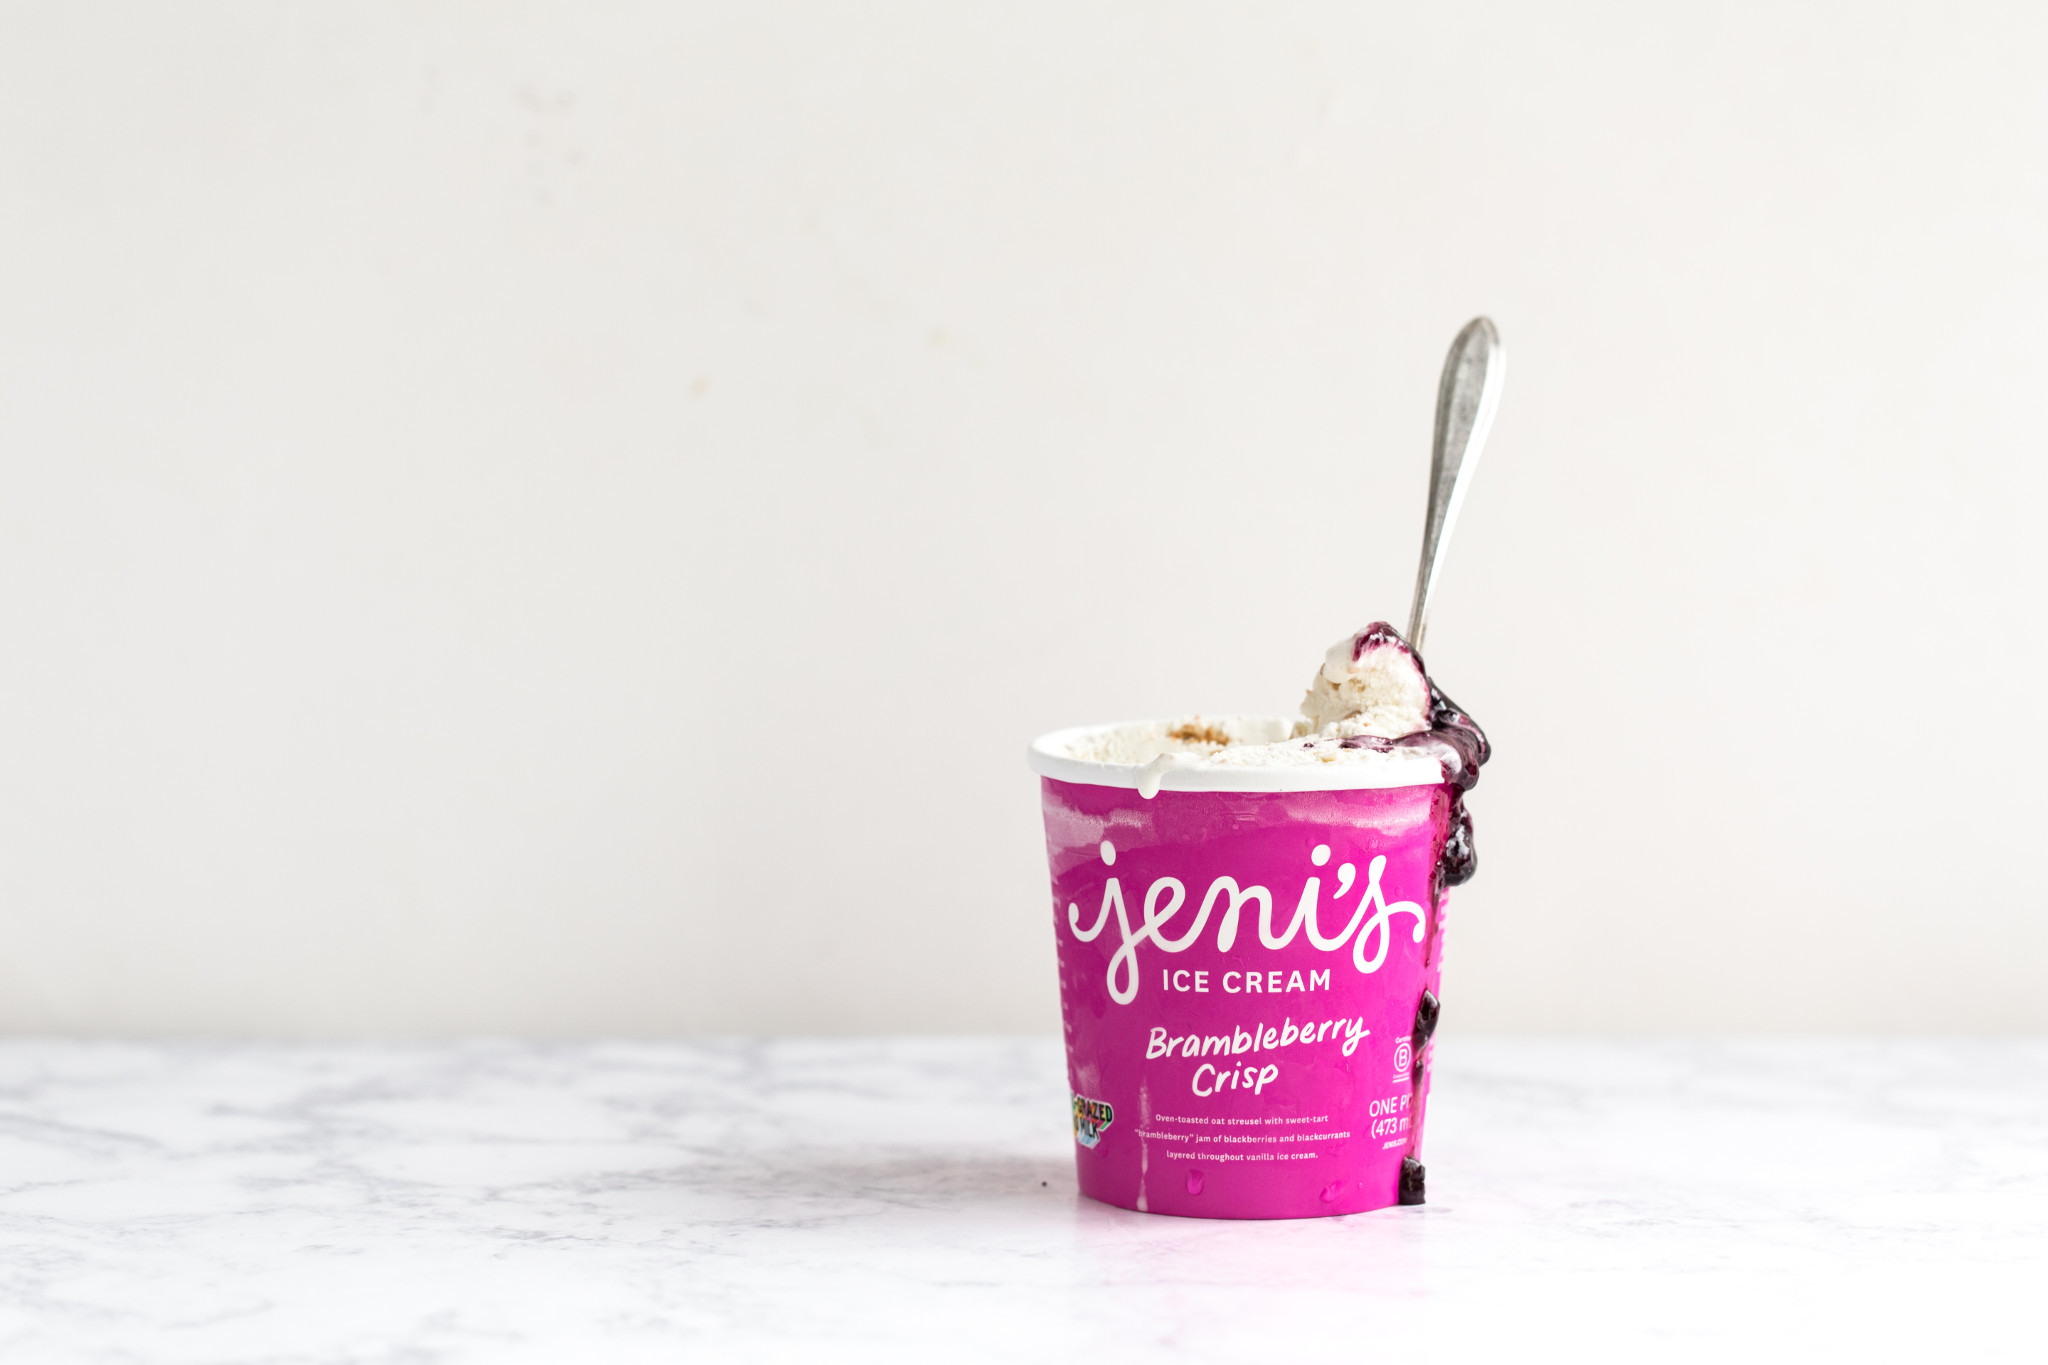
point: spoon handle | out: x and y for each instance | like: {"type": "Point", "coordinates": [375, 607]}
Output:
{"type": "Point", "coordinates": [1466, 399]}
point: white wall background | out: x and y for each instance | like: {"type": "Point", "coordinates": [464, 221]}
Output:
{"type": "Point", "coordinates": [561, 519]}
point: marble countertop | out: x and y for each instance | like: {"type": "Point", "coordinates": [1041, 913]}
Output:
{"type": "Point", "coordinates": [914, 1200]}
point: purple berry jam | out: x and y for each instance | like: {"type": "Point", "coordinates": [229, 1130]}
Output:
{"type": "Point", "coordinates": [1411, 1181]}
{"type": "Point", "coordinates": [1453, 739]}
{"type": "Point", "coordinates": [1426, 1011]}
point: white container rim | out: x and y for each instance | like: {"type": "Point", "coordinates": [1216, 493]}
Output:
{"type": "Point", "coordinates": [1050, 756]}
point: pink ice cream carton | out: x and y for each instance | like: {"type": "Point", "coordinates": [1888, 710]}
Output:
{"type": "Point", "coordinates": [1249, 969]}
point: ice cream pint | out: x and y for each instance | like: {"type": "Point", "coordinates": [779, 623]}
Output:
{"type": "Point", "coordinates": [1249, 925]}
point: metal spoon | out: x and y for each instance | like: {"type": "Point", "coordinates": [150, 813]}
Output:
{"type": "Point", "coordinates": [1466, 399]}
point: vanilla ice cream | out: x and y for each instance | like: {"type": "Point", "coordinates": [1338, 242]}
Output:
{"type": "Point", "coordinates": [1372, 717]}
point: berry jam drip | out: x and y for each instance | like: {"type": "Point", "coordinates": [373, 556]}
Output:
{"type": "Point", "coordinates": [1427, 1010]}
{"type": "Point", "coordinates": [1412, 1181]}
{"type": "Point", "coordinates": [1453, 739]}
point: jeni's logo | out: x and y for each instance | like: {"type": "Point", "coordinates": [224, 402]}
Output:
{"type": "Point", "coordinates": [1369, 930]}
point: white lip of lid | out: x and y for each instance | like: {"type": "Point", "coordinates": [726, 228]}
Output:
{"type": "Point", "coordinates": [1048, 757]}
